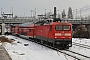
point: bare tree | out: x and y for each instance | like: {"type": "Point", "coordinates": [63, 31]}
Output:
{"type": "Point", "coordinates": [63, 14]}
{"type": "Point", "coordinates": [70, 16]}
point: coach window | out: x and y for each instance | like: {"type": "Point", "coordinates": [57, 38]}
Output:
{"type": "Point", "coordinates": [50, 27]}
{"type": "Point", "coordinates": [18, 29]}
{"type": "Point", "coordinates": [29, 30]}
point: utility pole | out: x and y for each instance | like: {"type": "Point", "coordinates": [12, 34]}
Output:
{"type": "Point", "coordinates": [45, 13]}
{"type": "Point", "coordinates": [12, 12]}
{"type": "Point", "coordinates": [73, 13]}
{"type": "Point", "coordinates": [35, 13]}
{"type": "Point", "coordinates": [76, 13]}
{"type": "Point", "coordinates": [57, 13]}
{"type": "Point", "coordinates": [1, 12]}
{"type": "Point", "coordinates": [31, 13]}
{"type": "Point", "coordinates": [24, 13]}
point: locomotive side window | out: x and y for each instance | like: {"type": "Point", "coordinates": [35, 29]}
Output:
{"type": "Point", "coordinates": [29, 30]}
{"type": "Point", "coordinates": [58, 27]}
{"type": "Point", "coordinates": [50, 27]}
{"type": "Point", "coordinates": [66, 27]}
{"type": "Point", "coordinates": [18, 29]}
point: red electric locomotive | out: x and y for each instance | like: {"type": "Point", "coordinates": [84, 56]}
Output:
{"type": "Point", "coordinates": [58, 34]}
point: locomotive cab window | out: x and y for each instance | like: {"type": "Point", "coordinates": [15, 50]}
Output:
{"type": "Point", "coordinates": [66, 27]}
{"type": "Point", "coordinates": [58, 27]}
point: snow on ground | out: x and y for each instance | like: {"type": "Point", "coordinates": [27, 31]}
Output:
{"type": "Point", "coordinates": [22, 49]}
{"type": "Point", "coordinates": [32, 51]}
{"type": "Point", "coordinates": [81, 41]}
{"type": "Point", "coordinates": [81, 50]}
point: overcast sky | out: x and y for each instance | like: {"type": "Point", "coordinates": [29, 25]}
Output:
{"type": "Point", "coordinates": [23, 7]}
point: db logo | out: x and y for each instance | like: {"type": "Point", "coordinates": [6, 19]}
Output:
{"type": "Point", "coordinates": [62, 31]}
{"type": "Point", "coordinates": [62, 34]}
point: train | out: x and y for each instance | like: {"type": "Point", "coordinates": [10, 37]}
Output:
{"type": "Point", "coordinates": [49, 31]}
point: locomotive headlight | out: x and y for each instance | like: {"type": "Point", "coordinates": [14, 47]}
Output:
{"type": "Point", "coordinates": [67, 34]}
{"type": "Point", "coordinates": [57, 34]}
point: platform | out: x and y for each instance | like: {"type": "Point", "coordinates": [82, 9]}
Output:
{"type": "Point", "coordinates": [3, 54]}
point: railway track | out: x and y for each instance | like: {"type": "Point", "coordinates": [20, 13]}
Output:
{"type": "Point", "coordinates": [81, 45]}
{"type": "Point", "coordinates": [70, 53]}
{"type": "Point", "coordinates": [75, 55]}
{"type": "Point", "coordinates": [58, 50]}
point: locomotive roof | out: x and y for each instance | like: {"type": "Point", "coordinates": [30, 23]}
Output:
{"type": "Point", "coordinates": [47, 21]}
{"type": "Point", "coordinates": [64, 23]}
{"type": "Point", "coordinates": [25, 24]}
{"type": "Point", "coordinates": [59, 23]}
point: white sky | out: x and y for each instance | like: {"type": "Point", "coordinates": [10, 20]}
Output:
{"type": "Point", "coordinates": [23, 7]}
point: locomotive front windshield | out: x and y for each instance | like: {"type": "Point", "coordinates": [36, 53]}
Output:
{"type": "Point", "coordinates": [60, 27]}
{"type": "Point", "coordinates": [66, 27]}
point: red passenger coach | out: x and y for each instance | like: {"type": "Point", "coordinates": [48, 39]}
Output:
{"type": "Point", "coordinates": [27, 30]}
{"type": "Point", "coordinates": [14, 29]}
{"type": "Point", "coordinates": [56, 33]}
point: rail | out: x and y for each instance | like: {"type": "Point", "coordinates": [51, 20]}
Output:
{"type": "Point", "coordinates": [81, 45]}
